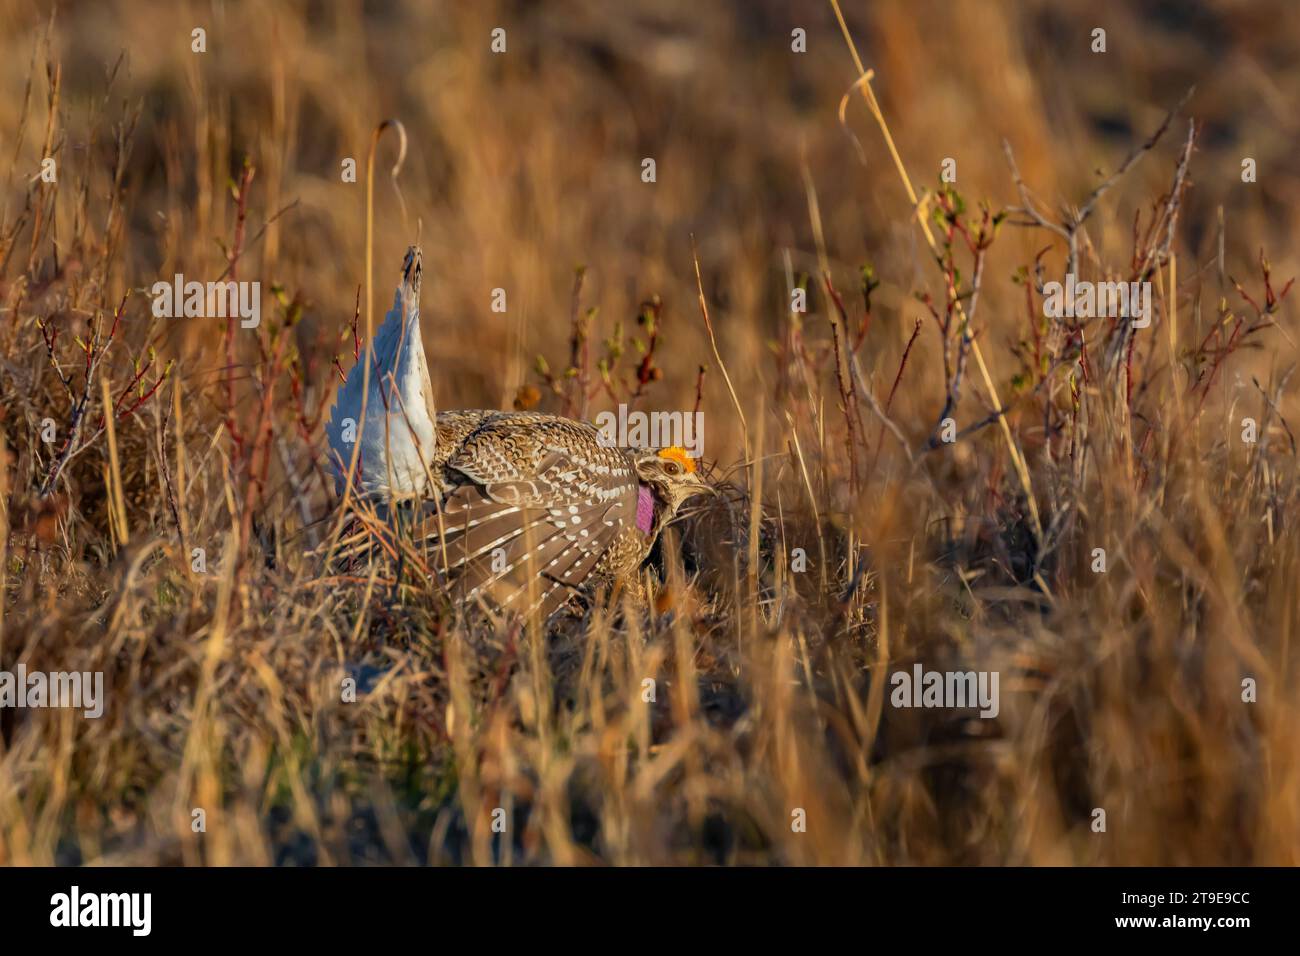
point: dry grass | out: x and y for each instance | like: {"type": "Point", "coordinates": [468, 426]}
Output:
{"type": "Point", "coordinates": [1120, 690]}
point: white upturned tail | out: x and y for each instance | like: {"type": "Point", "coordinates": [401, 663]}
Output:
{"type": "Point", "coordinates": [398, 433]}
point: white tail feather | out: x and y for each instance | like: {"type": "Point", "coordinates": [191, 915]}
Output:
{"type": "Point", "coordinates": [398, 433]}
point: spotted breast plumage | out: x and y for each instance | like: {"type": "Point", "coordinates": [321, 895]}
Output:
{"type": "Point", "coordinates": [520, 510]}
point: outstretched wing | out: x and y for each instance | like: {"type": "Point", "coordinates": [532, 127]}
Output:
{"type": "Point", "coordinates": [397, 432]}
{"type": "Point", "coordinates": [539, 504]}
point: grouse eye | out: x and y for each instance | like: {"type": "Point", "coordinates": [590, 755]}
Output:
{"type": "Point", "coordinates": [673, 468]}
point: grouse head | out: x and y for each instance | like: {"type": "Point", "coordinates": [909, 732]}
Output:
{"type": "Point", "coordinates": [668, 477]}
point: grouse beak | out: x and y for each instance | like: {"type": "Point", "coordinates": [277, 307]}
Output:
{"type": "Point", "coordinates": [700, 486]}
